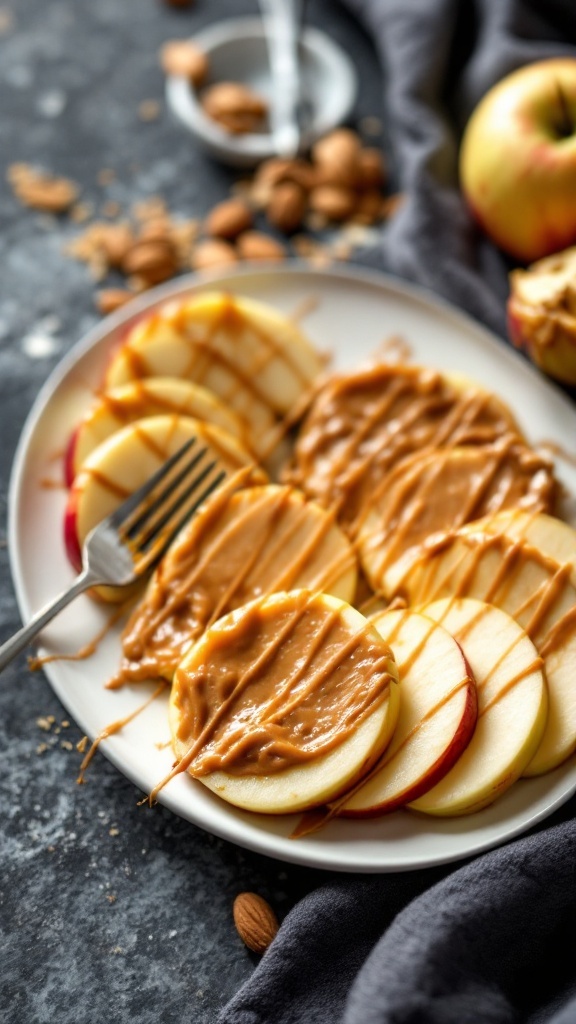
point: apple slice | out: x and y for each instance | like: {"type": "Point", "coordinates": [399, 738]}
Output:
{"type": "Point", "coordinates": [156, 396]}
{"type": "Point", "coordinates": [512, 707]}
{"type": "Point", "coordinates": [238, 547]}
{"type": "Point", "coordinates": [122, 463]}
{"type": "Point", "coordinates": [441, 489]}
{"type": "Point", "coordinates": [255, 360]}
{"type": "Point", "coordinates": [361, 424]}
{"type": "Point", "coordinates": [284, 703]}
{"type": "Point", "coordinates": [553, 537]}
{"type": "Point", "coordinates": [536, 591]}
{"type": "Point", "coordinates": [437, 714]}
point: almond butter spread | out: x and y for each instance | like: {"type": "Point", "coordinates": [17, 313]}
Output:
{"type": "Point", "coordinates": [362, 424]}
{"type": "Point", "coordinates": [282, 683]}
{"type": "Point", "coordinates": [432, 491]}
{"type": "Point", "coordinates": [238, 547]}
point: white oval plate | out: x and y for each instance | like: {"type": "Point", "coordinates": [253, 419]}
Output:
{"type": "Point", "coordinates": [354, 312]}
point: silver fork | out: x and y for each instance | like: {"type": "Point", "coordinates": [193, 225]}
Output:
{"type": "Point", "coordinates": [130, 541]}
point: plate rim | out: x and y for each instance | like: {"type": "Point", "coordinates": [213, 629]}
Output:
{"type": "Point", "coordinates": [265, 843]}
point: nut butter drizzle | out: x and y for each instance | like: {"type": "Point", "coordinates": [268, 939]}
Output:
{"type": "Point", "coordinates": [405, 419]}
{"type": "Point", "coordinates": [490, 485]}
{"type": "Point", "coordinates": [283, 520]}
{"type": "Point", "coordinates": [342, 710]}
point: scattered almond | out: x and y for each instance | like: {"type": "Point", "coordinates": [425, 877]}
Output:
{"type": "Point", "coordinates": [370, 169]}
{"type": "Point", "coordinates": [335, 202]}
{"type": "Point", "coordinates": [41, 191]}
{"type": "Point", "coordinates": [213, 252]}
{"type": "Point", "coordinates": [256, 922]}
{"type": "Point", "coordinates": [115, 240]}
{"type": "Point", "coordinates": [228, 219]}
{"type": "Point", "coordinates": [336, 157]}
{"type": "Point", "coordinates": [391, 204]}
{"type": "Point", "coordinates": [286, 207]}
{"type": "Point", "coordinates": [152, 260]}
{"type": "Point", "coordinates": [108, 300]}
{"type": "Point", "coordinates": [277, 170]}
{"type": "Point", "coordinates": [254, 245]}
{"type": "Point", "coordinates": [184, 59]}
{"type": "Point", "coordinates": [234, 106]}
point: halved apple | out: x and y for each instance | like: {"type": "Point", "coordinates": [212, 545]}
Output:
{"type": "Point", "coordinates": [436, 720]}
{"type": "Point", "coordinates": [441, 489]}
{"type": "Point", "coordinates": [512, 706]}
{"type": "Point", "coordinates": [255, 360]}
{"type": "Point", "coordinates": [122, 463]}
{"type": "Point", "coordinates": [536, 591]}
{"type": "Point", "coordinates": [542, 313]}
{"type": "Point", "coordinates": [238, 547]}
{"type": "Point", "coordinates": [284, 703]}
{"type": "Point", "coordinates": [155, 396]}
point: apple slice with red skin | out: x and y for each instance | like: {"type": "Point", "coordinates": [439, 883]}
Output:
{"type": "Point", "coordinates": [535, 590]}
{"type": "Point", "coordinates": [436, 720]}
{"type": "Point", "coordinates": [254, 358]}
{"type": "Point", "coordinates": [154, 396]}
{"type": "Point", "coordinates": [512, 707]}
{"type": "Point", "coordinates": [553, 537]}
{"type": "Point", "coordinates": [280, 683]}
{"type": "Point", "coordinates": [123, 463]}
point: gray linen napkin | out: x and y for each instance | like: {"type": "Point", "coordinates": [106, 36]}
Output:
{"type": "Point", "coordinates": [494, 941]}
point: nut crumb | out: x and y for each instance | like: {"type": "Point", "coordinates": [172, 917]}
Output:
{"type": "Point", "coordinates": [82, 744]}
{"type": "Point", "coordinates": [45, 723]}
{"type": "Point", "coordinates": [66, 745]}
{"type": "Point", "coordinates": [113, 831]}
{"type": "Point", "coordinates": [41, 191]}
{"type": "Point", "coordinates": [149, 110]}
{"type": "Point", "coordinates": [41, 748]}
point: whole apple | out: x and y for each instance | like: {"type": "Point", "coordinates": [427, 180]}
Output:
{"type": "Point", "coordinates": [518, 160]}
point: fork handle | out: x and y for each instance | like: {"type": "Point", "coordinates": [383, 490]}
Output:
{"type": "Point", "coordinates": [22, 638]}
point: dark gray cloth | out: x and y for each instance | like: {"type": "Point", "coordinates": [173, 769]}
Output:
{"type": "Point", "coordinates": [494, 941]}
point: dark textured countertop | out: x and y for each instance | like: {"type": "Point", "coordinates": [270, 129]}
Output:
{"type": "Point", "coordinates": [108, 910]}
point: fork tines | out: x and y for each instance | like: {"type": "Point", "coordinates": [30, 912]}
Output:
{"type": "Point", "coordinates": [169, 498]}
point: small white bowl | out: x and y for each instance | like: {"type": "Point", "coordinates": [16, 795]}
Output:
{"type": "Point", "coordinates": [237, 52]}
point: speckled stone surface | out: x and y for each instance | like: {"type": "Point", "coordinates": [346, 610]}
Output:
{"type": "Point", "coordinates": [108, 911]}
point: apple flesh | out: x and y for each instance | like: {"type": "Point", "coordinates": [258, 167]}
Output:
{"type": "Point", "coordinates": [536, 591]}
{"type": "Point", "coordinates": [542, 314]}
{"type": "Point", "coordinates": [317, 780]}
{"type": "Point", "coordinates": [553, 537]}
{"type": "Point", "coordinates": [253, 358]}
{"type": "Point", "coordinates": [156, 396]}
{"type": "Point", "coordinates": [512, 707]}
{"type": "Point", "coordinates": [123, 463]}
{"type": "Point", "coordinates": [518, 160]}
{"type": "Point", "coordinates": [436, 719]}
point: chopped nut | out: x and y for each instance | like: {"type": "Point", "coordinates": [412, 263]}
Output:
{"type": "Point", "coordinates": [108, 300]}
{"type": "Point", "coordinates": [254, 245]}
{"type": "Point", "coordinates": [184, 59]}
{"type": "Point", "coordinates": [213, 252]}
{"type": "Point", "coordinates": [277, 170]}
{"type": "Point", "coordinates": [228, 219]}
{"type": "Point", "coordinates": [335, 202]}
{"type": "Point", "coordinates": [41, 191]}
{"type": "Point", "coordinates": [149, 110]}
{"type": "Point", "coordinates": [234, 106]}
{"type": "Point", "coordinates": [286, 207]}
{"type": "Point", "coordinates": [391, 204]}
{"type": "Point", "coordinates": [66, 745]}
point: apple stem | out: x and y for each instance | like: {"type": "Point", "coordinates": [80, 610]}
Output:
{"type": "Point", "coordinates": [565, 126]}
